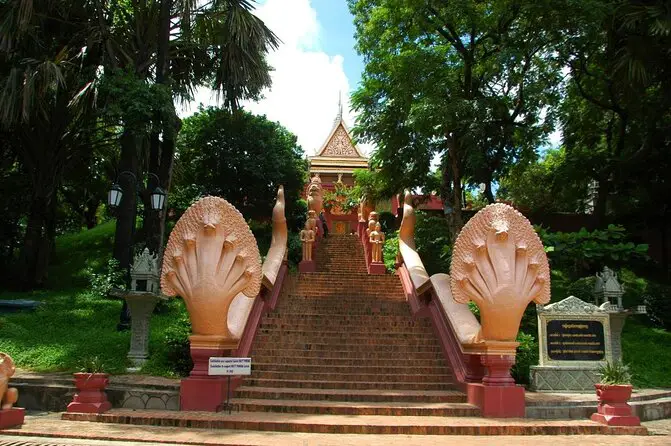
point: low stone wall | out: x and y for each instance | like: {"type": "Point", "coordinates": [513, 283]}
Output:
{"type": "Point", "coordinates": [54, 393]}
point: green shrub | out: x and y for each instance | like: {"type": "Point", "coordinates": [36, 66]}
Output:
{"type": "Point", "coordinates": [583, 288]}
{"type": "Point", "coordinates": [583, 253]}
{"type": "Point", "coordinates": [390, 251]}
{"type": "Point", "coordinates": [658, 302]}
{"type": "Point", "coordinates": [635, 288]}
{"type": "Point", "coordinates": [559, 285]}
{"type": "Point", "coordinates": [112, 277]}
{"type": "Point", "coordinates": [434, 243]}
{"type": "Point", "coordinates": [527, 355]}
{"type": "Point", "coordinates": [177, 345]}
{"type": "Point", "coordinates": [295, 249]}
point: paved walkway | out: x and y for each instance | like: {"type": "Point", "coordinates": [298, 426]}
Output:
{"type": "Point", "coordinates": [49, 429]}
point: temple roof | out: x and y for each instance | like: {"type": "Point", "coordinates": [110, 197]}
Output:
{"type": "Point", "coordinates": [338, 153]}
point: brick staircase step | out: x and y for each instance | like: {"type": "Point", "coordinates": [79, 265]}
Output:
{"type": "Point", "coordinates": [349, 348]}
{"type": "Point", "coordinates": [363, 355]}
{"type": "Point", "coordinates": [360, 395]}
{"type": "Point", "coordinates": [358, 318]}
{"type": "Point", "coordinates": [359, 408]}
{"type": "Point", "coordinates": [353, 424]}
{"type": "Point", "coordinates": [356, 368]}
{"type": "Point", "coordinates": [355, 377]}
{"type": "Point", "coordinates": [353, 385]}
{"type": "Point", "coordinates": [344, 362]}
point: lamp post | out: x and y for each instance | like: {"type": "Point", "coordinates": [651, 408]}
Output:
{"type": "Point", "coordinates": [114, 198]}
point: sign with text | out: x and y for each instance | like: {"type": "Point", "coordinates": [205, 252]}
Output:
{"type": "Point", "coordinates": [575, 340]}
{"type": "Point", "coordinates": [224, 366]}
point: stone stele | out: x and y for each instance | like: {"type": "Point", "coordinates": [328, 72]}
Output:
{"type": "Point", "coordinates": [571, 372]}
{"type": "Point", "coordinates": [211, 257]}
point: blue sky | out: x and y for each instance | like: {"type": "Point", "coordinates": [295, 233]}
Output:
{"type": "Point", "coordinates": [338, 35]}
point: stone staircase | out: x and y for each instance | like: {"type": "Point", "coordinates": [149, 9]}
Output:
{"type": "Point", "coordinates": [341, 342]}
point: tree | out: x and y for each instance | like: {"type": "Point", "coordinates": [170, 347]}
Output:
{"type": "Point", "coordinates": [547, 185]}
{"type": "Point", "coordinates": [616, 112]}
{"type": "Point", "coordinates": [465, 81]}
{"type": "Point", "coordinates": [46, 67]}
{"type": "Point", "coordinates": [240, 157]}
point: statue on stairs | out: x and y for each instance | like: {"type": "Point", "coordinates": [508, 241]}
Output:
{"type": "Point", "coordinates": [307, 237]}
{"type": "Point", "coordinates": [376, 238]}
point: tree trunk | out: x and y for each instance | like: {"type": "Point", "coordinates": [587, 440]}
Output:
{"type": "Point", "coordinates": [601, 205]}
{"type": "Point", "coordinates": [489, 195]}
{"type": "Point", "coordinates": [455, 218]}
{"type": "Point", "coordinates": [35, 250]}
{"type": "Point", "coordinates": [126, 212]}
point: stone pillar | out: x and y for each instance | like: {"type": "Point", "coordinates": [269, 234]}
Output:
{"type": "Point", "coordinates": [617, 321]}
{"type": "Point", "coordinates": [141, 306]}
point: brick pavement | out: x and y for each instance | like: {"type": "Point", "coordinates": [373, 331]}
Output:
{"type": "Point", "coordinates": [50, 426]}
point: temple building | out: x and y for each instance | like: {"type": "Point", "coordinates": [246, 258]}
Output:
{"type": "Point", "coordinates": [334, 164]}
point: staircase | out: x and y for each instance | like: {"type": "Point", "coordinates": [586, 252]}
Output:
{"type": "Point", "coordinates": [341, 342]}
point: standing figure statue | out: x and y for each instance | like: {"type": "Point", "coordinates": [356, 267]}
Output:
{"type": "Point", "coordinates": [376, 238]}
{"type": "Point", "coordinates": [372, 221]}
{"type": "Point", "coordinates": [307, 237]}
{"type": "Point", "coordinates": [8, 395]}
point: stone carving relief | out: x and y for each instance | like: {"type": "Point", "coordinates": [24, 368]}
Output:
{"type": "Point", "coordinates": [210, 258]}
{"type": "Point", "coordinates": [499, 263]}
{"type": "Point", "coordinates": [571, 305]}
{"type": "Point", "coordinates": [8, 395]}
{"type": "Point", "coordinates": [340, 145]}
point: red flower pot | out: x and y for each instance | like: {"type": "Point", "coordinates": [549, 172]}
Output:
{"type": "Point", "coordinates": [613, 409]}
{"type": "Point", "coordinates": [90, 396]}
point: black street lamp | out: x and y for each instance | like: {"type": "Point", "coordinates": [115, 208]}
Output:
{"type": "Point", "coordinates": [157, 202]}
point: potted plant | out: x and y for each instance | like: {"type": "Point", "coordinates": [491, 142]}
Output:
{"type": "Point", "coordinates": [613, 392]}
{"type": "Point", "coordinates": [90, 382]}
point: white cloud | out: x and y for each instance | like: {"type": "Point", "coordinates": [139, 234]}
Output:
{"type": "Point", "coordinates": [306, 80]}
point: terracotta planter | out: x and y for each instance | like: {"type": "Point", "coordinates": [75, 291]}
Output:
{"type": "Point", "coordinates": [613, 409]}
{"type": "Point", "coordinates": [90, 396]}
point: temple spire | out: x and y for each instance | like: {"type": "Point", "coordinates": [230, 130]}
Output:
{"type": "Point", "coordinates": [339, 115]}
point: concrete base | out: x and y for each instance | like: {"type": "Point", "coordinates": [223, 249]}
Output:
{"type": "Point", "coordinates": [307, 266]}
{"type": "Point", "coordinates": [563, 379]}
{"type": "Point", "coordinates": [12, 417]}
{"type": "Point", "coordinates": [376, 268]}
{"type": "Point", "coordinates": [203, 394]}
{"type": "Point", "coordinates": [616, 420]}
{"type": "Point", "coordinates": [497, 401]}
{"type": "Point", "coordinates": [101, 407]}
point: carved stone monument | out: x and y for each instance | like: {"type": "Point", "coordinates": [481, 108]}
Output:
{"type": "Point", "coordinates": [9, 416]}
{"type": "Point", "coordinates": [141, 299]}
{"type": "Point", "coordinates": [607, 288]}
{"type": "Point", "coordinates": [144, 273]}
{"type": "Point", "coordinates": [574, 339]}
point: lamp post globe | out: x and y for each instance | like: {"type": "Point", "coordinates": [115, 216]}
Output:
{"type": "Point", "coordinates": [114, 196]}
{"type": "Point", "coordinates": [158, 199]}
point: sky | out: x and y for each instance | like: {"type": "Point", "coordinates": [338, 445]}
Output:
{"type": "Point", "coordinates": [315, 64]}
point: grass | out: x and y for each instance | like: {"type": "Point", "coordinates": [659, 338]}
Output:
{"type": "Point", "coordinates": [647, 351]}
{"type": "Point", "coordinates": [74, 324]}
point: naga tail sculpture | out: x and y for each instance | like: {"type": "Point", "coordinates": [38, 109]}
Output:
{"type": "Point", "coordinates": [211, 257]}
{"type": "Point", "coordinates": [278, 244]}
{"type": "Point", "coordinates": [499, 263]}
